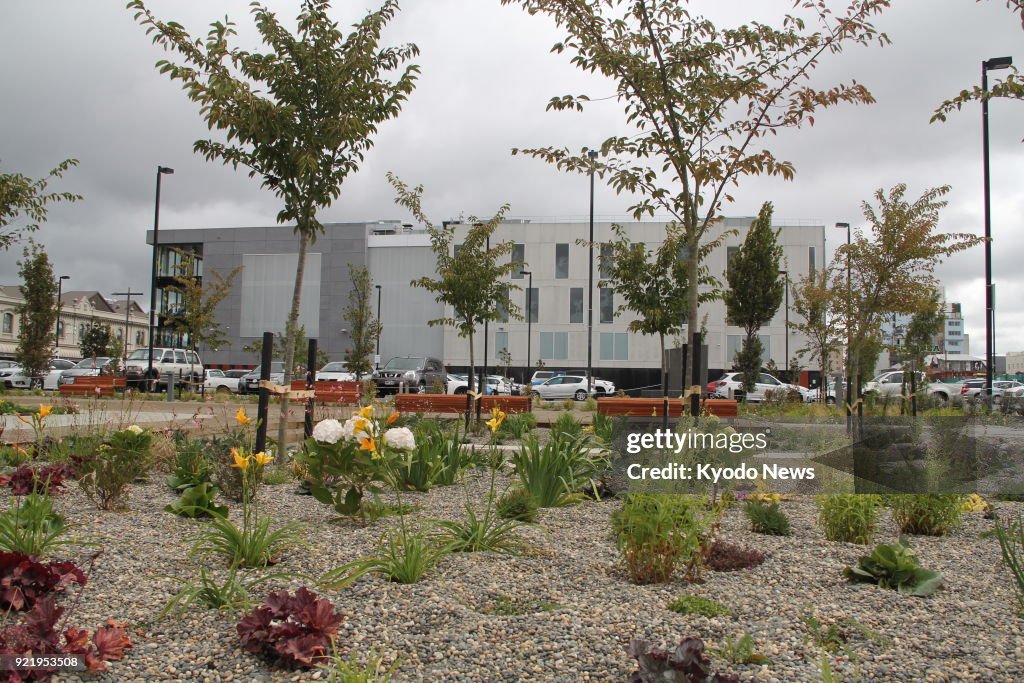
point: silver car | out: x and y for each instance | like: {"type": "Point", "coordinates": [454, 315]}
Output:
{"type": "Point", "coordinates": [572, 386]}
{"type": "Point", "coordinates": [90, 367]}
{"type": "Point", "coordinates": [415, 374]}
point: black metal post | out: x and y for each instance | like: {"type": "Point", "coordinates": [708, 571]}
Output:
{"type": "Point", "coordinates": [263, 409]}
{"type": "Point", "coordinates": [127, 309]}
{"type": "Point", "coordinates": [310, 385]}
{"type": "Point", "coordinates": [590, 281]}
{"type": "Point", "coordinates": [698, 341]}
{"type": "Point", "coordinates": [380, 328]}
{"type": "Point", "coordinates": [60, 288]}
{"type": "Point", "coordinates": [529, 323]}
{"type": "Point", "coordinates": [483, 381]}
{"type": "Point", "coordinates": [160, 170]}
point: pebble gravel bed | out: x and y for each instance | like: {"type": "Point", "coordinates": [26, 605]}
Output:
{"type": "Point", "coordinates": [563, 611]}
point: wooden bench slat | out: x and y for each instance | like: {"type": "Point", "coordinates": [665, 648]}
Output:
{"type": "Point", "coordinates": [654, 407]}
{"type": "Point", "coordinates": [103, 385]}
{"type": "Point", "coordinates": [456, 403]}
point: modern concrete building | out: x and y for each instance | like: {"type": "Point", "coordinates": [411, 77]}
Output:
{"type": "Point", "coordinates": [396, 254]}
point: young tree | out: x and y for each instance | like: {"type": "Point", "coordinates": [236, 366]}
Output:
{"type": "Point", "coordinates": [95, 341]}
{"type": "Point", "coordinates": [652, 284]}
{"type": "Point", "coordinates": [300, 348]}
{"type": "Point", "coordinates": [300, 116]}
{"type": "Point", "coordinates": [755, 291]}
{"type": "Point", "coordinates": [20, 195]}
{"type": "Point", "coordinates": [703, 101]}
{"type": "Point", "coordinates": [814, 303]}
{"type": "Point", "coordinates": [893, 272]}
{"type": "Point", "coordinates": [472, 282]}
{"type": "Point", "coordinates": [38, 314]}
{"type": "Point", "coordinates": [363, 329]}
{"type": "Point", "coordinates": [196, 319]}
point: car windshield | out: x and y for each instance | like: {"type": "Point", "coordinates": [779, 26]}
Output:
{"type": "Point", "coordinates": [404, 364]}
{"type": "Point", "coordinates": [275, 369]}
{"type": "Point", "coordinates": [92, 363]}
{"type": "Point", "coordinates": [143, 354]}
{"type": "Point", "coordinates": [333, 367]}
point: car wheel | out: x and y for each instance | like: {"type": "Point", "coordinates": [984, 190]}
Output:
{"type": "Point", "coordinates": [223, 390]}
{"type": "Point", "coordinates": [35, 384]}
{"type": "Point", "coordinates": [536, 394]}
{"type": "Point", "coordinates": [580, 395]}
{"type": "Point", "coordinates": [460, 390]}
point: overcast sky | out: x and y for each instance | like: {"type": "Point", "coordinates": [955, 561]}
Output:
{"type": "Point", "coordinates": [78, 81]}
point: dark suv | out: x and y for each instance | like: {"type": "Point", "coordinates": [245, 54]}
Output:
{"type": "Point", "coordinates": [416, 374]}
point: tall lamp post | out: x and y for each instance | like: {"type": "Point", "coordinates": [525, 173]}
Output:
{"type": "Point", "coordinates": [529, 319]}
{"type": "Point", "coordinates": [60, 288]}
{"type": "Point", "coordinates": [785, 274]}
{"type": "Point", "coordinates": [160, 171]}
{"type": "Point", "coordinates": [127, 310]}
{"type": "Point", "coordinates": [590, 281]}
{"type": "Point", "coordinates": [849, 303]}
{"type": "Point", "coordinates": [990, 313]}
{"type": "Point", "coordinates": [379, 328]}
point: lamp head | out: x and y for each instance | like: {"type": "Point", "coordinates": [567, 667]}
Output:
{"type": "Point", "coordinates": [64, 277]}
{"type": "Point", "coordinates": [525, 272]}
{"type": "Point", "coordinates": [165, 170]}
{"type": "Point", "coordinates": [843, 226]}
{"type": "Point", "coordinates": [997, 63]}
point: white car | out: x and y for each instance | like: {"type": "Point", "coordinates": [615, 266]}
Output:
{"type": "Point", "coordinates": [223, 382]}
{"type": "Point", "coordinates": [572, 386]}
{"type": "Point", "coordinates": [730, 385]}
{"type": "Point", "coordinates": [457, 384]}
{"type": "Point", "coordinates": [14, 378]}
{"type": "Point", "coordinates": [335, 371]}
{"type": "Point", "coordinates": [891, 383]}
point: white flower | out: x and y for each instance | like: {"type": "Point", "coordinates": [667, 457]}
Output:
{"type": "Point", "coordinates": [349, 428]}
{"type": "Point", "coordinates": [400, 438]}
{"type": "Point", "coordinates": [134, 429]}
{"type": "Point", "coordinates": [328, 431]}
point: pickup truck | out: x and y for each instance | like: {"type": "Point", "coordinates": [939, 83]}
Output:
{"type": "Point", "coordinates": [223, 382]}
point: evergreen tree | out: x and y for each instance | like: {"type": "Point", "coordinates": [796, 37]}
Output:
{"type": "Point", "coordinates": [95, 341]}
{"type": "Point", "coordinates": [755, 290]}
{"type": "Point", "coordinates": [38, 314]}
{"type": "Point", "coordinates": [364, 329]}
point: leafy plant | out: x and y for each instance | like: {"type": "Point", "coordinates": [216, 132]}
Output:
{"type": "Point", "coordinates": [292, 630]}
{"type": "Point", "coordinates": [555, 472]}
{"type": "Point", "coordinates": [766, 518]}
{"type": "Point", "coordinates": [481, 533]}
{"type": "Point", "coordinates": [566, 426]}
{"type": "Point", "coordinates": [694, 604]}
{"type": "Point", "coordinates": [1011, 543]}
{"type": "Point", "coordinates": [686, 663]}
{"type": "Point", "coordinates": [655, 534]}
{"type": "Point", "coordinates": [727, 557]}
{"type": "Point", "coordinates": [44, 479]}
{"type": "Point", "coordinates": [928, 514]}
{"type": "Point", "coordinates": [24, 581]}
{"type": "Point", "coordinates": [341, 670]}
{"type": "Point", "coordinates": [232, 593]}
{"type": "Point", "coordinates": [437, 460]}
{"type": "Point", "coordinates": [31, 526]}
{"type": "Point", "coordinates": [517, 504]}
{"type": "Point", "coordinates": [740, 650]}
{"type": "Point", "coordinates": [191, 465]}
{"type": "Point", "coordinates": [848, 517]}
{"type": "Point", "coordinates": [105, 473]}
{"type": "Point", "coordinates": [401, 556]}
{"type": "Point", "coordinates": [895, 566]}
{"type": "Point", "coordinates": [518, 425]}
{"type": "Point", "coordinates": [836, 636]}
{"type": "Point", "coordinates": [197, 501]}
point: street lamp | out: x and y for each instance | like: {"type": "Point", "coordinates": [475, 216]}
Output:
{"type": "Point", "coordinates": [60, 287]}
{"type": "Point", "coordinates": [849, 314]}
{"type": "Point", "coordinates": [160, 171]}
{"type": "Point", "coordinates": [379, 328]}
{"type": "Point", "coordinates": [529, 318]}
{"type": "Point", "coordinates": [785, 273]}
{"type": "Point", "coordinates": [990, 342]}
{"type": "Point", "coordinates": [590, 280]}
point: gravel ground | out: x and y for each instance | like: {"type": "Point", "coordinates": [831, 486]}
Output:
{"type": "Point", "coordinates": [573, 611]}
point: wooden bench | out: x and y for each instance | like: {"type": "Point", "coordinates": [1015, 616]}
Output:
{"type": "Point", "coordinates": [98, 385]}
{"type": "Point", "coordinates": [343, 393]}
{"type": "Point", "coordinates": [456, 403]}
{"type": "Point", "coordinates": [654, 407]}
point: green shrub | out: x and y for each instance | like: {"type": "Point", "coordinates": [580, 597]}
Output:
{"type": "Point", "coordinates": [401, 556]}
{"type": "Point", "coordinates": [518, 425]}
{"type": "Point", "coordinates": [14, 456]}
{"type": "Point", "coordinates": [232, 593]}
{"type": "Point", "coordinates": [740, 650]}
{"type": "Point", "coordinates": [251, 545]}
{"type": "Point", "coordinates": [517, 504]}
{"type": "Point", "coordinates": [1011, 543]}
{"type": "Point", "coordinates": [555, 473]}
{"type": "Point", "coordinates": [694, 604]}
{"type": "Point", "coordinates": [105, 473]}
{"type": "Point", "coordinates": [31, 526]}
{"type": "Point", "coordinates": [566, 427]}
{"type": "Point", "coordinates": [197, 501]}
{"type": "Point", "coordinates": [928, 514]}
{"type": "Point", "coordinates": [895, 566]}
{"type": "Point", "coordinates": [190, 466]}
{"type": "Point", "coordinates": [438, 459]}
{"type": "Point", "coordinates": [657, 533]}
{"type": "Point", "coordinates": [341, 670]}
{"type": "Point", "coordinates": [766, 518]}
{"type": "Point", "coordinates": [608, 429]}
{"type": "Point", "coordinates": [848, 517]}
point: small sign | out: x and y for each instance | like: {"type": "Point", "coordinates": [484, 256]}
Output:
{"type": "Point", "coordinates": [376, 359]}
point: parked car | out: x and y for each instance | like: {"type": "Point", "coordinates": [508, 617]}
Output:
{"type": "Point", "coordinates": [90, 367]}
{"type": "Point", "coordinates": [891, 383]}
{"type": "Point", "coordinates": [335, 371]}
{"type": "Point", "coordinates": [969, 389]}
{"type": "Point", "coordinates": [219, 381]}
{"type": "Point", "coordinates": [814, 395]}
{"type": "Point", "coordinates": [250, 382]}
{"type": "Point", "coordinates": [184, 364]}
{"type": "Point", "coordinates": [1001, 388]}
{"type": "Point", "coordinates": [730, 385]}
{"type": "Point", "coordinates": [15, 378]}
{"type": "Point", "coordinates": [4, 364]}
{"type": "Point", "coordinates": [415, 373]}
{"type": "Point", "coordinates": [541, 376]}
{"type": "Point", "coordinates": [572, 386]}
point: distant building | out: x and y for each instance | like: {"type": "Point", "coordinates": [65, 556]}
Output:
{"type": "Point", "coordinates": [1015, 363]}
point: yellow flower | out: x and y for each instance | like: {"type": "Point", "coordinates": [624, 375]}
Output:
{"type": "Point", "coordinates": [493, 423]}
{"type": "Point", "coordinates": [368, 445]}
{"type": "Point", "coordinates": [262, 458]}
{"type": "Point", "coordinates": [366, 411]}
{"type": "Point", "coordinates": [45, 410]}
{"type": "Point", "coordinates": [240, 461]}
{"type": "Point", "coordinates": [241, 418]}
{"type": "Point", "coordinates": [361, 425]}
{"type": "Point", "coordinates": [392, 417]}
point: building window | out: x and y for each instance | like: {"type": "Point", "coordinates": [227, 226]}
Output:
{"type": "Point", "coordinates": [614, 346]}
{"type": "Point", "coordinates": [811, 261]}
{"type": "Point", "coordinates": [561, 261]}
{"type": "Point", "coordinates": [518, 257]}
{"type": "Point", "coordinates": [605, 262]}
{"type": "Point", "coordinates": [120, 335]}
{"type": "Point", "coordinates": [734, 342]}
{"type": "Point", "coordinates": [455, 251]}
{"type": "Point", "coordinates": [81, 330]}
{"type": "Point", "coordinates": [503, 307]}
{"type": "Point", "coordinates": [8, 323]}
{"type": "Point", "coordinates": [730, 253]}
{"type": "Point", "coordinates": [554, 345]}
{"type": "Point", "coordinates": [607, 305]}
{"type": "Point", "coordinates": [500, 343]}
{"type": "Point", "coordinates": [60, 329]}
{"type": "Point", "coordinates": [139, 338]}
{"type": "Point", "coordinates": [532, 305]}
{"type": "Point", "coordinates": [576, 305]}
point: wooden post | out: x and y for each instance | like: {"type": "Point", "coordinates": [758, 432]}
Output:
{"type": "Point", "coordinates": [263, 410]}
{"type": "Point", "coordinates": [310, 379]}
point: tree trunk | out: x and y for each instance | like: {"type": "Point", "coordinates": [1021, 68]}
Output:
{"type": "Point", "coordinates": [289, 349]}
{"type": "Point", "coordinates": [664, 374]}
{"type": "Point", "coordinates": [469, 378]}
{"type": "Point", "coordinates": [691, 306]}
